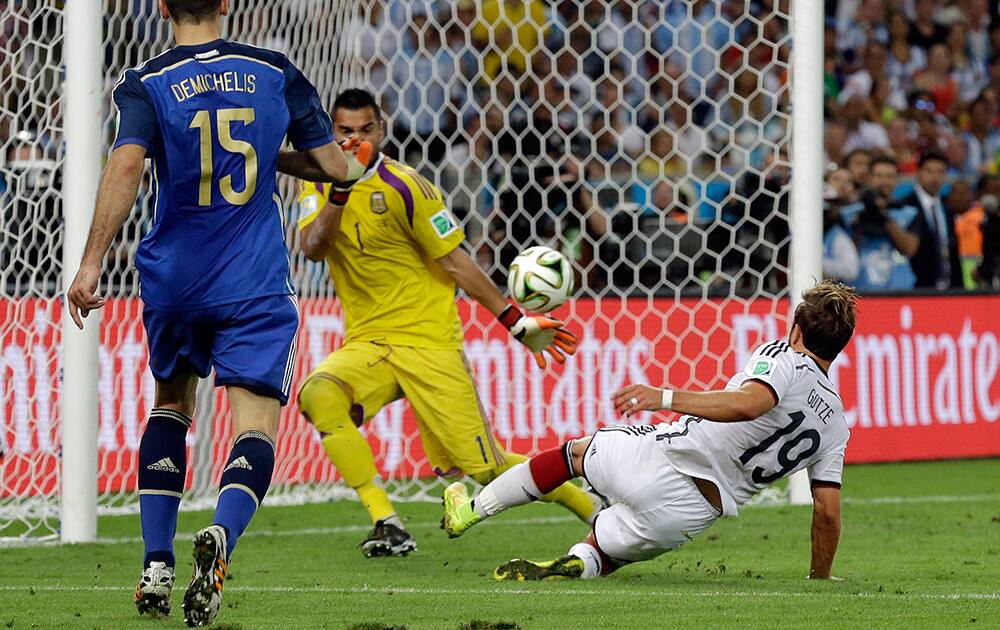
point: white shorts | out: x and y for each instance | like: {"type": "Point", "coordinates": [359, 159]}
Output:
{"type": "Point", "coordinates": [656, 508]}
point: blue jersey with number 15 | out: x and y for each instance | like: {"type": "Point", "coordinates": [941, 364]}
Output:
{"type": "Point", "coordinates": [213, 117]}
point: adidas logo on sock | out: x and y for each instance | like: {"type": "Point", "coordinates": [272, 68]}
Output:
{"type": "Point", "coordinates": [239, 462]}
{"type": "Point", "coordinates": [164, 465]}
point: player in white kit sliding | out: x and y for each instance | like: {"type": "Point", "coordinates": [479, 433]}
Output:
{"type": "Point", "coordinates": [669, 482]}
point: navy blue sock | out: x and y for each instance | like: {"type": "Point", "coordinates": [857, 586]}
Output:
{"type": "Point", "coordinates": [162, 470]}
{"type": "Point", "coordinates": [244, 483]}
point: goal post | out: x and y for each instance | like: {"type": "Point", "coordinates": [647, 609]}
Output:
{"type": "Point", "coordinates": [806, 212]}
{"type": "Point", "coordinates": [83, 110]}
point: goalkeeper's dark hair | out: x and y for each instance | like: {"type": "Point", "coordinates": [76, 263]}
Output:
{"type": "Point", "coordinates": [355, 99]}
{"type": "Point", "coordinates": [826, 317]}
{"type": "Point", "coordinates": [192, 10]}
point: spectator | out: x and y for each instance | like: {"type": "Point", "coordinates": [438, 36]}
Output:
{"type": "Point", "coordinates": [969, 73]}
{"type": "Point", "coordinates": [866, 26]}
{"type": "Point", "coordinates": [834, 139]}
{"type": "Point", "coordinates": [988, 185]}
{"type": "Point", "coordinates": [925, 30]}
{"type": "Point", "coordinates": [833, 62]}
{"type": "Point", "coordinates": [669, 201]}
{"type": "Point", "coordinates": [861, 132]}
{"type": "Point", "coordinates": [840, 256]}
{"type": "Point", "coordinates": [840, 186]}
{"type": "Point", "coordinates": [689, 139]}
{"type": "Point", "coordinates": [993, 69]}
{"type": "Point", "coordinates": [425, 119]}
{"type": "Point", "coordinates": [857, 163]}
{"type": "Point", "coordinates": [978, 15]}
{"type": "Point", "coordinates": [510, 32]}
{"type": "Point", "coordinates": [928, 127]}
{"type": "Point", "coordinates": [761, 212]}
{"type": "Point", "coordinates": [880, 109]}
{"type": "Point", "coordinates": [883, 232]}
{"type": "Point", "coordinates": [905, 59]}
{"type": "Point", "coordinates": [935, 262]}
{"type": "Point", "coordinates": [989, 270]}
{"type": "Point", "coordinates": [661, 160]}
{"type": "Point", "coordinates": [862, 82]}
{"type": "Point", "coordinates": [937, 80]}
{"type": "Point", "coordinates": [968, 230]}
{"type": "Point", "coordinates": [982, 138]}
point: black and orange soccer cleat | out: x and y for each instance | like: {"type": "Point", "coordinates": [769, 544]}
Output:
{"type": "Point", "coordinates": [204, 595]}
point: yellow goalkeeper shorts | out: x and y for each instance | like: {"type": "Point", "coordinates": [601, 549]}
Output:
{"type": "Point", "coordinates": [438, 383]}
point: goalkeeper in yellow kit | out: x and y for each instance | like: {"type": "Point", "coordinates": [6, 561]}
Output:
{"type": "Point", "coordinates": [394, 255]}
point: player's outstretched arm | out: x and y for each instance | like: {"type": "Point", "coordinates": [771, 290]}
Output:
{"type": "Point", "coordinates": [115, 199]}
{"type": "Point", "coordinates": [749, 402]}
{"type": "Point", "coordinates": [537, 333]}
{"type": "Point", "coordinates": [825, 530]}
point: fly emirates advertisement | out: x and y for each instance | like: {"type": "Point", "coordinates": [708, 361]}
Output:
{"type": "Point", "coordinates": [919, 381]}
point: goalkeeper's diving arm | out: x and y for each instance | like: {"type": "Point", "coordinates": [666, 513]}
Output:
{"type": "Point", "coordinates": [536, 333]}
{"type": "Point", "coordinates": [471, 279]}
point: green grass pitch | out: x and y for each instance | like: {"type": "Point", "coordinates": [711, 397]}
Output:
{"type": "Point", "coordinates": [920, 548]}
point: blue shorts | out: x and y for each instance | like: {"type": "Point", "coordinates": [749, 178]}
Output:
{"type": "Point", "coordinates": [251, 344]}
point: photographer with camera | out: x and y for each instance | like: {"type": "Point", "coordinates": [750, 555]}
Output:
{"type": "Point", "coordinates": [883, 231]}
{"type": "Point", "coordinates": [840, 255]}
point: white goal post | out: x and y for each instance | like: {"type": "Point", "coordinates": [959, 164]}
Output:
{"type": "Point", "coordinates": [660, 296]}
{"type": "Point", "coordinates": [806, 214]}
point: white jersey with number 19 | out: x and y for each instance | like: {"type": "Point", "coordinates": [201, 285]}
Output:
{"type": "Point", "coordinates": [805, 429]}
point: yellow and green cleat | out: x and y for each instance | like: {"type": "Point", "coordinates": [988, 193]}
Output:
{"type": "Point", "coordinates": [565, 568]}
{"type": "Point", "coordinates": [459, 514]}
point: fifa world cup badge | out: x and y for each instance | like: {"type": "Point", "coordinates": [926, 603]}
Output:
{"type": "Point", "coordinates": [378, 203]}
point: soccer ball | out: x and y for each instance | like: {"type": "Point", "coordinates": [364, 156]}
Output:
{"type": "Point", "coordinates": [540, 279]}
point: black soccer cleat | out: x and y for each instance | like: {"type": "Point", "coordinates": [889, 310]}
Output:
{"type": "Point", "coordinates": [386, 539]}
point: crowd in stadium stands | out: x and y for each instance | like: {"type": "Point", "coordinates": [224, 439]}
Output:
{"type": "Point", "coordinates": [666, 124]}
{"type": "Point", "coordinates": [648, 138]}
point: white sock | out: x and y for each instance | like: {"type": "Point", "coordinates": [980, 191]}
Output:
{"type": "Point", "coordinates": [514, 487]}
{"type": "Point", "coordinates": [591, 559]}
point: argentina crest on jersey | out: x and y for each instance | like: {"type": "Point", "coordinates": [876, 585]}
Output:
{"type": "Point", "coordinates": [377, 203]}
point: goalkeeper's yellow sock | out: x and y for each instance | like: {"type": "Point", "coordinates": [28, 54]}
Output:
{"type": "Point", "coordinates": [568, 495]}
{"type": "Point", "coordinates": [350, 453]}
{"type": "Point", "coordinates": [328, 407]}
{"type": "Point", "coordinates": [376, 500]}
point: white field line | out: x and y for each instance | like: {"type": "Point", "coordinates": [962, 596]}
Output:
{"type": "Point", "coordinates": [578, 592]}
{"type": "Point", "coordinates": [417, 525]}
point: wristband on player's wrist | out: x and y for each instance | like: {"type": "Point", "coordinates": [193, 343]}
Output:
{"type": "Point", "coordinates": [338, 197]}
{"type": "Point", "coordinates": [509, 316]}
{"type": "Point", "coordinates": [667, 399]}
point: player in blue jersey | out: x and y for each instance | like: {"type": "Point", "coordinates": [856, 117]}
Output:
{"type": "Point", "coordinates": [212, 115]}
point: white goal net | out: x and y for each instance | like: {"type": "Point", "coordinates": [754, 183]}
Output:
{"type": "Point", "coordinates": [646, 140]}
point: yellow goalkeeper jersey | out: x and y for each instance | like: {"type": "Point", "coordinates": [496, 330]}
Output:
{"type": "Point", "coordinates": [383, 260]}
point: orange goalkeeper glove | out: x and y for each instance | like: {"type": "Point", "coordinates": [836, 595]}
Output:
{"type": "Point", "coordinates": [359, 155]}
{"type": "Point", "coordinates": [539, 333]}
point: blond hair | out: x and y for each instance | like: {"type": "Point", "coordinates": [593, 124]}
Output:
{"type": "Point", "coordinates": [827, 317]}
